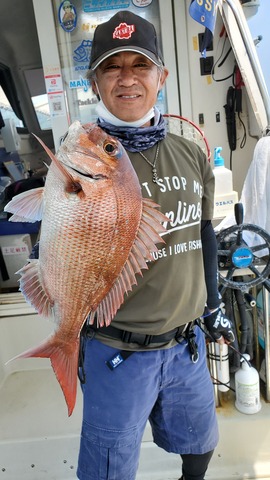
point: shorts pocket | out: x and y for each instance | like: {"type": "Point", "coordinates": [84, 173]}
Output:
{"type": "Point", "coordinates": [108, 454]}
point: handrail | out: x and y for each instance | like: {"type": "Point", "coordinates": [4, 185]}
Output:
{"type": "Point", "coordinates": [255, 64]}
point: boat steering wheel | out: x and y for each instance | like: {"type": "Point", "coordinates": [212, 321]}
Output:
{"type": "Point", "coordinates": [234, 253]}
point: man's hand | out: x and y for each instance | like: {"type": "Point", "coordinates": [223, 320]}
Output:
{"type": "Point", "coordinates": [219, 327]}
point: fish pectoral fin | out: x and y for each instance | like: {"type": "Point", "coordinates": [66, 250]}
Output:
{"type": "Point", "coordinates": [26, 206]}
{"type": "Point", "coordinates": [64, 360]}
{"type": "Point", "coordinates": [148, 235]}
{"type": "Point", "coordinates": [17, 218]}
{"type": "Point", "coordinates": [33, 290]}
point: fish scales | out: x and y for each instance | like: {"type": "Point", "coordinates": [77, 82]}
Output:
{"type": "Point", "coordinates": [97, 233]}
{"type": "Point", "coordinates": [75, 245]}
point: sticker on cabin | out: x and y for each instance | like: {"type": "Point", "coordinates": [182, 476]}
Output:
{"type": "Point", "coordinates": [141, 3]}
{"type": "Point", "coordinates": [82, 52]}
{"type": "Point", "coordinates": [54, 83]}
{"type": "Point", "coordinates": [98, 5]}
{"type": "Point", "coordinates": [80, 83]}
{"type": "Point", "coordinates": [15, 250]}
{"type": "Point", "coordinates": [67, 16]}
{"type": "Point", "coordinates": [57, 104]}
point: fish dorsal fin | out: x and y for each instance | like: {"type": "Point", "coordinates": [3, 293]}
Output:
{"type": "Point", "coordinates": [33, 290]}
{"type": "Point", "coordinates": [27, 206]}
{"type": "Point", "coordinates": [148, 235]}
{"type": "Point", "coordinates": [71, 184]}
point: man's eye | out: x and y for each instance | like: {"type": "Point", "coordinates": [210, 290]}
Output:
{"type": "Point", "coordinates": [142, 65]}
{"type": "Point", "coordinates": [112, 67]}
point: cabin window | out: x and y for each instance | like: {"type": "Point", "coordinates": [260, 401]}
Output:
{"type": "Point", "coordinates": [9, 102]}
{"type": "Point", "coordinates": [7, 110]}
{"type": "Point", "coordinates": [37, 89]}
{"type": "Point", "coordinates": [41, 106]}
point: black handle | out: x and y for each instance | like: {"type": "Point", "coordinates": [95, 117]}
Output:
{"type": "Point", "coordinates": [239, 213]}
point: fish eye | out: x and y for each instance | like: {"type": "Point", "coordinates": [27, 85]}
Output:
{"type": "Point", "coordinates": [110, 148]}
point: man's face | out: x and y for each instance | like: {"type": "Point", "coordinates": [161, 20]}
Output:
{"type": "Point", "coordinates": [128, 84]}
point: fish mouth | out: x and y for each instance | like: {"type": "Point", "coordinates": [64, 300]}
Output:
{"type": "Point", "coordinates": [92, 176]}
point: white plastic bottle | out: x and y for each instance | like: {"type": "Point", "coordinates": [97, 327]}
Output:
{"type": "Point", "coordinates": [225, 197]}
{"type": "Point", "coordinates": [223, 176]}
{"type": "Point", "coordinates": [247, 388]}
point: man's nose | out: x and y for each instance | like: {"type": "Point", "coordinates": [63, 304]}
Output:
{"type": "Point", "coordinates": [126, 76]}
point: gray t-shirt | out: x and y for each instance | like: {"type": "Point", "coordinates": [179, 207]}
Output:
{"type": "Point", "coordinates": [172, 292]}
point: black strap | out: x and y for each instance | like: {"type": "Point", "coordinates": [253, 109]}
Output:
{"type": "Point", "coordinates": [180, 333]}
{"type": "Point", "coordinates": [133, 337]}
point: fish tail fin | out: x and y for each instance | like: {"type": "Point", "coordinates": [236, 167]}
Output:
{"type": "Point", "coordinates": [64, 360]}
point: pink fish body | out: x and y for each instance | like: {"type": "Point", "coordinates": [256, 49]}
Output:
{"type": "Point", "coordinates": [97, 233]}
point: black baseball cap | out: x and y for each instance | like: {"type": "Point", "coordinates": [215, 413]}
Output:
{"type": "Point", "coordinates": [126, 32]}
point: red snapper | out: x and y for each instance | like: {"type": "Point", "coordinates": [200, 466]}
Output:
{"type": "Point", "coordinates": [97, 233]}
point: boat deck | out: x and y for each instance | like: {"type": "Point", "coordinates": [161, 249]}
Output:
{"type": "Point", "coordinates": [40, 442]}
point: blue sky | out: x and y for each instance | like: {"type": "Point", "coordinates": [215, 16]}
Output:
{"type": "Point", "coordinates": [259, 25]}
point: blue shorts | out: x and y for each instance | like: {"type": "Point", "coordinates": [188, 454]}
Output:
{"type": "Point", "coordinates": [163, 386]}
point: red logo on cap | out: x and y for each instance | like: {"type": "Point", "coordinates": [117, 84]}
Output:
{"type": "Point", "coordinates": [123, 31]}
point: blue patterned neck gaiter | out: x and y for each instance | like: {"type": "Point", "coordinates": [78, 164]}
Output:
{"type": "Point", "coordinates": [136, 139]}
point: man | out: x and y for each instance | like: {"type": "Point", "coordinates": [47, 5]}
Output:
{"type": "Point", "coordinates": [151, 363]}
